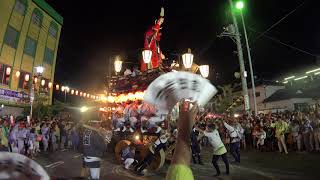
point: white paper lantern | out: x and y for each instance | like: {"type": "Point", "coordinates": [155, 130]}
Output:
{"type": "Point", "coordinates": [146, 55]}
{"type": "Point", "coordinates": [43, 82]}
{"type": "Point", "coordinates": [8, 71]}
{"type": "Point", "coordinates": [27, 77]}
{"type": "Point", "coordinates": [187, 59]}
{"type": "Point", "coordinates": [204, 70]}
{"type": "Point", "coordinates": [117, 65]}
{"type": "Point", "coordinates": [18, 74]}
{"type": "Point", "coordinates": [50, 85]}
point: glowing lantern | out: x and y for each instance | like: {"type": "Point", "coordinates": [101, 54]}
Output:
{"type": "Point", "coordinates": [27, 77]}
{"type": "Point", "coordinates": [88, 95]}
{"type": "Point", "coordinates": [8, 71]}
{"type": "Point", "coordinates": [62, 88]}
{"type": "Point", "coordinates": [43, 82]}
{"type": "Point", "coordinates": [111, 99]}
{"type": "Point", "coordinates": [35, 80]}
{"type": "Point", "coordinates": [187, 59]}
{"type": "Point", "coordinates": [72, 91]}
{"type": "Point", "coordinates": [80, 93]}
{"type": "Point", "coordinates": [18, 74]}
{"type": "Point", "coordinates": [84, 94]}
{"type": "Point", "coordinates": [77, 92]}
{"type": "Point", "coordinates": [204, 70]}
{"type": "Point", "coordinates": [67, 89]}
{"type": "Point", "coordinates": [57, 87]}
{"type": "Point", "coordinates": [50, 85]}
{"type": "Point", "coordinates": [117, 65]}
{"type": "Point", "coordinates": [131, 97]}
{"type": "Point", "coordinates": [146, 55]}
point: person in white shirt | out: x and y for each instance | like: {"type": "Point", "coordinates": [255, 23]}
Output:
{"type": "Point", "coordinates": [219, 150]}
{"type": "Point", "coordinates": [261, 136]}
{"type": "Point", "coordinates": [235, 133]}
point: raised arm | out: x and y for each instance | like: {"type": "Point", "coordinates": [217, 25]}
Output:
{"type": "Point", "coordinates": [179, 169]}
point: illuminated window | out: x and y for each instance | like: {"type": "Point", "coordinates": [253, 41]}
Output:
{"type": "Point", "coordinates": [4, 77]}
{"type": "Point", "coordinates": [23, 84]}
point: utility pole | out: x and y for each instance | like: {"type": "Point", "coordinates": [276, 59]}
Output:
{"type": "Point", "coordinates": [241, 61]}
{"type": "Point", "coordinates": [250, 65]}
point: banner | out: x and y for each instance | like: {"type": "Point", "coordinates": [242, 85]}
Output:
{"type": "Point", "coordinates": [13, 96]}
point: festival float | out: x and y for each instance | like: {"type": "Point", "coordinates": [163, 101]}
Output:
{"type": "Point", "coordinates": [140, 106]}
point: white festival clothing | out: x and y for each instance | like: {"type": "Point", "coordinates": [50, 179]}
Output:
{"type": "Point", "coordinates": [214, 139]}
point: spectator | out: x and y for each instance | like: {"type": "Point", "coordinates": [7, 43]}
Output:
{"type": "Point", "coordinates": [281, 127]}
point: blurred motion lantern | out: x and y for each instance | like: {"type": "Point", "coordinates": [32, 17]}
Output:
{"type": "Point", "coordinates": [18, 74]}
{"type": "Point", "coordinates": [204, 70]}
{"type": "Point", "coordinates": [187, 59]}
{"type": "Point", "coordinates": [8, 71]}
{"type": "Point", "coordinates": [67, 89]}
{"type": "Point", "coordinates": [57, 87]}
{"type": "Point", "coordinates": [72, 91]}
{"type": "Point", "coordinates": [146, 55]}
{"type": "Point", "coordinates": [88, 95]}
{"type": "Point", "coordinates": [117, 65]}
{"type": "Point", "coordinates": [62, 88]}
{"type": "Point", "coordinates": [27, 77]}
{"type": "Point", "coordinates": [35, 80]}
{"type": "Point", "coordinates": [77, 92]}
{"type": "Point", "coordinates": [84, 94]}
{"type": "Point", "coordinates": [80, 93]}
{"type": "Point", "coordinates": [50, 85]}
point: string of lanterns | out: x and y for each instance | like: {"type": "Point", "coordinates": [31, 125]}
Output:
{"type": "Point", "coordinates": [76, 92]}
{"type": "Point", "coordinates": [120, 98]}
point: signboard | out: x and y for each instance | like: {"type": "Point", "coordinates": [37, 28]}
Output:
{"type": "Point", "coordinates": [13, 96]}
{"type": "Point", "coordinates": [168, 89]}
{"type": "Point", "coordinates": [246, 102]}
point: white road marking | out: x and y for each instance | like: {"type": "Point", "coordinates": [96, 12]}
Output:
{"type": "Point", "coordinates": [58, 164]}
{"type": "Point", "coordinates": [52, 164]}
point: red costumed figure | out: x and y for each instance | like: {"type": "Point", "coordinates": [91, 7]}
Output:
{"type": "Point", "coordinates": [152, 42]}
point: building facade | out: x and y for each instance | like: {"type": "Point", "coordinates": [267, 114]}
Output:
{"type": "Point", "coordinates": [29, 37]}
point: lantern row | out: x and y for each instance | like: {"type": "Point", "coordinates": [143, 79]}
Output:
{"type": "Point", "coordinates": [121, 98]}
{"type": "Point", "coordinates": [76, 92]}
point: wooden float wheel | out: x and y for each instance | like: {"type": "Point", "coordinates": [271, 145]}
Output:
{"type": "Point", "coordinates": [157, 162]}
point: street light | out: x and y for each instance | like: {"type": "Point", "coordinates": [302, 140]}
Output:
{"type": "Point", "coordinates": [187, 59]}
{"type": "Point", "coordinates": [83, 109]}
{"type": "Point", "coordinates": [66, 90]}
{"type": "Point", "coordinates": [204, 70]}
{"type": "Point", "coordinates": [146, 55]}
{"type": "Point", "coordinates": [240, 6]}
{"type": "Point", "coordinates": [39, 70]}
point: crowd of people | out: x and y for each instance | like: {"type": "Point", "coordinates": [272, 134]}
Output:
{"type": "Point", "coordinates": [29, 137]}
{"type": "Point", "coordinates": [285, 131]}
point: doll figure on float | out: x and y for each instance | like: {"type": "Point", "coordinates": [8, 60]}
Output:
{"type": "Point", "coordinates": [152, 43]}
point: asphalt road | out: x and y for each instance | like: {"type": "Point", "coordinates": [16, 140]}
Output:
{"type": "Point", "coordinates": [255, 165]}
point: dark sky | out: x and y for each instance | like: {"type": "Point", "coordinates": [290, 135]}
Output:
{"type": "Point", "coordinates": [96, 30]}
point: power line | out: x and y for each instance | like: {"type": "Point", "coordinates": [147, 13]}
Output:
{"type": "Point", "coordinates": [275, 24]}
{"type": "Point", "coordinates": [280, 42]}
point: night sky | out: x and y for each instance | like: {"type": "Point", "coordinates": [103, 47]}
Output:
{"type": "Point", "coordinates": [95, 31]}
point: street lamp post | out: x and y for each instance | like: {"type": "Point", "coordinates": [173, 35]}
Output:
{"type": "Point", "coordinates": [39, 70]}
{"type": "Point", "coordinates": [241, 61]}
{"type": "Point", "coordinates": [240, 5]}
{"type": "Point", "coordinates": [66, 90]}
